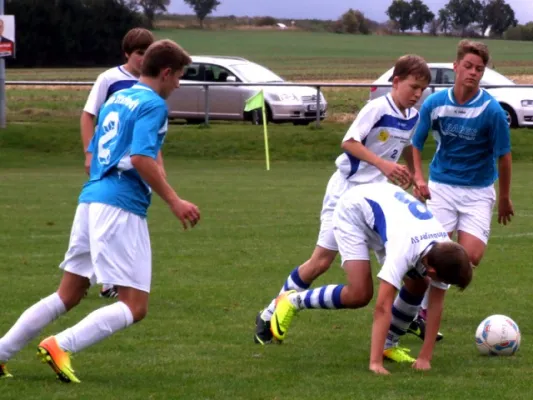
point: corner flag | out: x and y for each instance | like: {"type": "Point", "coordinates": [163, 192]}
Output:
{"type": "Point", "coordinates": [253, 103]}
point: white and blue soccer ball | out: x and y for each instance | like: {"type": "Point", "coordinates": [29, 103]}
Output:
{"type": "Point", "coordinates": [498, 335]}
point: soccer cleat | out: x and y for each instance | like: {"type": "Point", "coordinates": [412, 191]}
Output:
{"type": "Point", "coordinates": [398, 354]}
{"type": "Point", "coordinates": [262, 330]}
{"type": "Point", "coordinates": [283, 314]}
{"type": "Point", "coordinates": [4, 373]}
{"type": "Point", "coordinates": [111, 293]}
{"type": "Point", "coordinates": [59, 360]}
{"type": "Point", "coordinates": [418, 328]}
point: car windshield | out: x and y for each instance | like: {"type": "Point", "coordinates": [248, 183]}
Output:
{"type": "Point", "coordinates": [256, 73]}
{"type": "Point", "coordinates": [492, 77]}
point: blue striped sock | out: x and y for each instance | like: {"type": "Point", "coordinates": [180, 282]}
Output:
{"type": "Point", "coordinates": [293, 282]}
{"type": "Point", "coordinates": [326, 297]}
{"type": "Point", "coordinates": [404, 311]}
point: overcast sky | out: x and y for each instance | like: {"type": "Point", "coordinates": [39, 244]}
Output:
{"type": "Point", "coordinates": [327, 9]}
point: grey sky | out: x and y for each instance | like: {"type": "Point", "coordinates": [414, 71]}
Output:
{"type": "Point", "coordinates": [327, 9]}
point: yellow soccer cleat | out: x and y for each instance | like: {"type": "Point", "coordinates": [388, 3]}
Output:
{"type": "Point", "coordinates": [283, 314]}
{"type": "Point", "coordinates": [398, 354]}
{"type": "Point", "coordinates": [59, 360]}
{"type": "Point", "coordinates": [4, 373]}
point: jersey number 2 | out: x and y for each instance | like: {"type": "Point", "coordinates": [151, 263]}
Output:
{"type": "Point", "coordinates": [416, 208]}
{"type": "Point", "coordinates": [110, 128]}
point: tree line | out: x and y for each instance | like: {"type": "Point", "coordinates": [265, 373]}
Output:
{"type": "Point", "coordinates": [460, 15]}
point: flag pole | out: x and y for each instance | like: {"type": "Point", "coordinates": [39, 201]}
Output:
{"type": "Point", "coordinates": [267, 156]}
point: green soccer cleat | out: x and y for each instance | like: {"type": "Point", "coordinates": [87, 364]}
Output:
{"type": "Point", "coordinates": [283, 314]}
{"type": "Point", "coordinates": [418, 328]}
{"type": "Point", "coordinates": [398, 354]}
{"type": "Point", "coordinates": [59, 360]}
{"type": "Point", "coordinates": [4, 373]}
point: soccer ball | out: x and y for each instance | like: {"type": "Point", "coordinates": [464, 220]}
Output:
{"type": "Point", "coordinates": [498, 335]}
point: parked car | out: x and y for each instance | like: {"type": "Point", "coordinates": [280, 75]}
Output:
{"type": "Point", "coordinates": [516, 102]}
{"type": "Point", "coordinates": [283, 104]}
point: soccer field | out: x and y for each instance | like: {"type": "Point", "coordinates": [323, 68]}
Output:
{"type": "Point", "coordinates": [209, 283]}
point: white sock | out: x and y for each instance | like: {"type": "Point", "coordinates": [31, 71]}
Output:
{"type": "Point", "coordinates": [29, 324]}
{"type": "Point", "coordinates": [106, 287]}
{"type": "Point", "coordinates": [425, 301]}
{"type": "Point", "coordinates": [94, 327]}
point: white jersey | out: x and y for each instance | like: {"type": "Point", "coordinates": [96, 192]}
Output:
{"type": "Point", "coordinates": [395, 220]}
{"type": "Point", "coordinates": [107, 83]}
{"type": "Point", "coordinates": [383, 130]}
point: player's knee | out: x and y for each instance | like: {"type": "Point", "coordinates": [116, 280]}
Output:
{"type": "Point", "coordinates": [475, 257]}
{"type": "Point", "coordinates": [357, 297]}
{"type": "Point", "coordinates": [138, 311]}
{"type": "Point", "coordinates": [71, 299]}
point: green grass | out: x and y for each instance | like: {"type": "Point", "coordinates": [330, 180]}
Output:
{"type": "Point", "coordinates": [223, 141]}
{"type": "Point", "coordinates": [314, 56]}
{"type": "Point", "coordinates": [196, 342]}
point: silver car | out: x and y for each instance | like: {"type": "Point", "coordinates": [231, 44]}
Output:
{"type": "Point", "coordinates": [283, 104]}
{"type": "Point", "coordinates": [516, 102]}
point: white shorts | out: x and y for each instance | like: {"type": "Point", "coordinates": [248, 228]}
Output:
{"type": "Point", "coordinates": [460, 208]}
{"type": "Point", "coordinates": [111, 246]}
{"type": "Point", "coordinates": [353, 234]}
{"type": "Point", "coordinates": [337, 185]}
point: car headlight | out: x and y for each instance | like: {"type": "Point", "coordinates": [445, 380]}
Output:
{"type": "Point", "coordinates": [527, 103]}
{"type": "Point", "coordinates": [285, 96]}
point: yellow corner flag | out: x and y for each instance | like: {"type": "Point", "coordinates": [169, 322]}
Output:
{"type": "Point", "coordinates": [253, 103]}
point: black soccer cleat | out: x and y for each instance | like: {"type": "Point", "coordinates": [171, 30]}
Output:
{"type": "Point", "coordinates": [418, 328]}
{"type": "Point", "coordinates": [262, 330]}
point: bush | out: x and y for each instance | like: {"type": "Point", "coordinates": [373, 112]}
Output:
{"type": "Point", "coordinates": [266, 21]}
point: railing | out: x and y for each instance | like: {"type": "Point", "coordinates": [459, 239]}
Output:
{"type": "Point", "coordinates": [317, 85]}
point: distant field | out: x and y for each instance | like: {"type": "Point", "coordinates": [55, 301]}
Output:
{"type": "Point", "coordinates": [317, 56]}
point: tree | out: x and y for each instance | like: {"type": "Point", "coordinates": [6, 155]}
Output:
{"type": "Point", "coordinates": [353, 21]}
{"type": "Point", "coordinates": [400, 12]}
{"type": "Point", "coordinates": [498, 15]}
{"type": "Point", "coordinates": [444, 20]}
{"type": "Point", "coordinates": [464, 12]}
{"type": "Point", "coordinates": [420, 15]}
{"type": "Point", "coordinates": [202, 8]}
{"type": "Point", "coordinates": [149, 7]}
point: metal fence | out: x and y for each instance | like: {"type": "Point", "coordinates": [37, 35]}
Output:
{"type": "Point", "coordinates": [206, 85]}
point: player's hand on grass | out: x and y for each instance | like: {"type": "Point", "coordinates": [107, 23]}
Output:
{"type": "Point", "coordinates": [187, 213]}
{"type": "Point", "coordinates": [399, 174]}
{"type": "Point", "coordinates": [422, 365]}
{"type": "Point", "coordinates": [88, 160]}
{"type": "Point", "coordinates": [379, 369]}
{"type": "Point", "coordinates": [505, 210]}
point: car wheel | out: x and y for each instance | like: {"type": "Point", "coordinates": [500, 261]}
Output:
{"type": "Point", "coordinates": [512, 120]}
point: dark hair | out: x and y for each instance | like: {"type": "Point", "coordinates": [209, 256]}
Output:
{"type": "Point", "coordinates": [411, 64]}
{"type": "Point", "coordinates": [470, 47]}
{"type": "Point", "coordinates": [164, 54]}
{"type": "Point", "coordinates": [137, 39]}
{"type": "Point", "coordinates": [451, 263]}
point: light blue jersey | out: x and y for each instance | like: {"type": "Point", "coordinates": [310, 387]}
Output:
{"type": "Point", "coordinates": [470, 138]}
{"type": "Point", "coordinates": [133, 122]}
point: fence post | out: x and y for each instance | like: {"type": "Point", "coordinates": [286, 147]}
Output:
{"type": "Point", "coordinates": [318, 106]}
{"type": "Point", "coordinates": [206, 110]}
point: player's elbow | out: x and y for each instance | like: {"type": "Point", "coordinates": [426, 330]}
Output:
{"type": "Point", "coordinates": [381, 310]}
{"type": "Point", "coordinates": [348, 145]}
{"type": "Point", "coordinates": [138, 161]}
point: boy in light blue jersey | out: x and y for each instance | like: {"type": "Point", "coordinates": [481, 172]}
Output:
{"type": "Point", "coordinates": [473, 150]}
{"type": "Point", "coordinates": [134, 45]}
{"type": "Point", "coordinates": [109, 241]}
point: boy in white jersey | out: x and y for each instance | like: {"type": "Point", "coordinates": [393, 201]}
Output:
{"type": "Point", "coordinates": [134, 45]}
{"type": "Point", "coordinates": [412, 246]}
{"type": "Point", "coordinates": [473, 150]}
{"type": "Point", "coordinates": [109, 240]}
{"type": "Point", "coordinates": [371, 147]}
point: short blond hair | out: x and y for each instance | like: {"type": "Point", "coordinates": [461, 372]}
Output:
{"type": "Point", "coordinates": [164, 54]}
{"type": "Point", "coordinates": [470, 47]}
